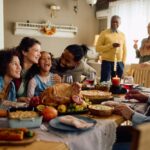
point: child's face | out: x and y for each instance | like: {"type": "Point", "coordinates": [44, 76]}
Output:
{"type": "Point", "coordinates": [45, 62]}
{"type": "Point", "coordinates": [14, 68]}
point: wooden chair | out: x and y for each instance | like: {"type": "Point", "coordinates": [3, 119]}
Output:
{"type": "Point", "coordinates": [141, 137]}
{"type": "Point", "coordinates": [141, 75]}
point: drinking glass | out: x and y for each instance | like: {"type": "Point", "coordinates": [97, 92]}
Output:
{"type": "Point", "coordinates": [90, 78]}
{"type": "Point", "coordinates": [128, 82]}
{"type": "Point", "coordinates": [135, 41]}
{"type": "Point", "coordinates": [67, 79]}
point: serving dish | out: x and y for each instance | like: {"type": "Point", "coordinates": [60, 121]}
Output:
{"type": "Point", "coordinates": [24, 141]}
{"type": "Point", "coordinates": [24, 117]}
{"type": "Point", "coordinates": [100, 110]}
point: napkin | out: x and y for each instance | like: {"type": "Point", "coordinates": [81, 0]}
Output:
{"type": "Point", "coordinates": [76, 122]}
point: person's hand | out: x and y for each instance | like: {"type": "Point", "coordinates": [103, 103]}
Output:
{"type": "Point", "coordinates": [135, 94]}
{"type": "Point", "coordinates": [135, 46]}
{"type": "Point", "coordinates": [115, 45]}
{"type": "Point", "coordinates": [76, 88]}
{"type": "Point", "coordinates": [124, 111]}
{"type": "Point", "coordinates": [24, 99]}
{"type": "Point", "coordinates": [57, 78]}
{"type": "Point", "coordinates": [110, 103]}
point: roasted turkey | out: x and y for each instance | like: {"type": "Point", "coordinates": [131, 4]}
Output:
{"type": "Point", "coordinates": [61, 93]}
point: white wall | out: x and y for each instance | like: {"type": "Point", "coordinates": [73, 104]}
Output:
{"type": "Point", "coordinates": [36, 11]}
{"type": "Point", "coordinates": [1, 25]}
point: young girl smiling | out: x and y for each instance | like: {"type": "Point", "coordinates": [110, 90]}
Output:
{"type": "Point", "coordinates": [44, 78]}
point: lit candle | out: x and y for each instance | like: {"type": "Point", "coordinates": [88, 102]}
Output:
{"type": "Point", "coordinates": [115, 63]}
{"type": "Point", "coordinates": [116, 81]}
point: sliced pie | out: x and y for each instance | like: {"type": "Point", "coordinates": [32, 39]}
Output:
{"type": "Point", "coordinates": [96, 94]}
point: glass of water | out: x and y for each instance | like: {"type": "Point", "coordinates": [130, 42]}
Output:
{"type": "Point", "coordinates": [67, 79]}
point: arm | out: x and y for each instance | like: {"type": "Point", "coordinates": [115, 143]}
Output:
{"type": "Point", "coordinates": [31, 88]}
{"type": "Point", "coordinates": [124, 52]}
{"type": "Point", "coordinates": [129, 114]}
{"type": "Point", "coordinates": [135, 94]}
{"type": "Point", "coordinates": [101, 46]}
{"type": "Point", "coordinates": [138, 118]}
{"type": "Point", "coordinates": [57, 78]}
{"type": "Point", "coordinates": [87, 69]}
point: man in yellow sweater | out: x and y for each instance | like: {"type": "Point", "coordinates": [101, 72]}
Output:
{"type": "Point", "coordinates": [112, 46]}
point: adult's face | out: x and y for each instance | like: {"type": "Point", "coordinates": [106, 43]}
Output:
{"type": "Point", "coordinates": [33, 54]}
{"type": "Point", "coordinates": [67, 60]}
{"type": "Point", "coordinates": [115, 22]}
{"type": "Point", "coordinates": [14, 68]}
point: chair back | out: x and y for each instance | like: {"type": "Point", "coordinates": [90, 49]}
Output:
{"type": "Point", "coordinates": [141, 75]}
{"type": "Point", "coordinates": [141, 137]}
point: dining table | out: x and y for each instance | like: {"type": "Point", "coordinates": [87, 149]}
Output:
{"type": "Point", "coordinates": [39, 144]}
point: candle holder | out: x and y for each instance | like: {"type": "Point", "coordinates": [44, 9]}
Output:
{"type": "Point", "coordinates": [116, 88]}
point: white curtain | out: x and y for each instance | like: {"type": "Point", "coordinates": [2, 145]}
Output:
{"type": "Point", "coordinates": [135, 15]}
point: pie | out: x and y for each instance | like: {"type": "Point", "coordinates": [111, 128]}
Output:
{"type": "Point", "coordinates": [95, 94]}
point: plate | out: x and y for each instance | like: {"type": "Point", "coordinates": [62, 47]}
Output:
{"type": "Point", "coordinates": [22, 142]}
{"type": "Point", "coordinates": [130, 101]}
{"type": "Point", "coordinates": [55, 123]}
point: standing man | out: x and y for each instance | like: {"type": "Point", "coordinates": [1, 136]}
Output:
{"type": "Point", "coordinates": [112, 46]}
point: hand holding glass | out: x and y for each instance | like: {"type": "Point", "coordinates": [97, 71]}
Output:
{"type": "Point", "coordinates": [135, 44]}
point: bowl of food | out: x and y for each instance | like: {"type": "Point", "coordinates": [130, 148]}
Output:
{"type": "Point", "coordinates": [101, 110]}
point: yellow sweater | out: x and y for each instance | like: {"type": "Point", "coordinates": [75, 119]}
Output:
{"type": "Point", "coordinates": [108, 52]}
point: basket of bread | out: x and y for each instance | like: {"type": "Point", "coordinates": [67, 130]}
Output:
{"type": "Point", "coordinates": [100, 110]}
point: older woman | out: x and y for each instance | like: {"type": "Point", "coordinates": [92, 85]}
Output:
{"type": "Point", "coordinates": [144, 51]}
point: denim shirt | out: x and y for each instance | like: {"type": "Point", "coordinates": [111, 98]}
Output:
{"type": "Point", "coordinates": [41, 86]}
{"type": "Point", "coordinates": [12, 92]}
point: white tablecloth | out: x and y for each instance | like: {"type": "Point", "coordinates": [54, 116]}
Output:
{"type": "Point", "coordinates": [101, 137]}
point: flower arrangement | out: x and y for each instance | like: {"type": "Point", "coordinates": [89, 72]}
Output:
{"type": "Point", "coordinates": [49, 30]}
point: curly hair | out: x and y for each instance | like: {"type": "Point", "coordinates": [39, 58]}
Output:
{"type": "Point", "coordinates": [78, 51]}
{"type": "Point", "coordinates": [6, 56]}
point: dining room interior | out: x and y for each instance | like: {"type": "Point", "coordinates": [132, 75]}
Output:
{"type": "Point", "coordinates": [57, 24]}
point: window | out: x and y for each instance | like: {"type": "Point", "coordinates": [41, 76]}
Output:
{"type": "Point", "coordinates": [135, 16]}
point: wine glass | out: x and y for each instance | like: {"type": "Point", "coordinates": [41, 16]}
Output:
{"type": "Point", "coordinates": [67, 79]}
{"type": "Point", "coordinates": [135, 41]}
{"type": "Point", "coordinates": [90, 78]}
{"type": "Point", "coordinates": [128, 82]}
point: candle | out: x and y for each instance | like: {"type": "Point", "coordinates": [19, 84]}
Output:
{"type": "Point", "coordinates": [116, 81]}
{"type": "Point", "coordinates": [115, 63]}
